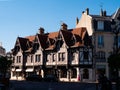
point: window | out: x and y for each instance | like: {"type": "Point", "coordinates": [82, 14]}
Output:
{"type": "Point", "coordinates": [85, 74]}
{"type": "Point", "coordinates": [54, 57]}
{"type": "Point", "coordinates": [48, 57]}
{"type": "Point", "coordinates": [101, 68]}
{"type": "Point", "coordinates": [13, 59]}
{"type": "Point", "coordinates": [72, 55]}
{"type": "Point", "coordinates": [73, 73]}
{"type": "Point", "coordinates": [100, 25]}
{"type": "Point", "coordinates": [31, 58]}
{"type": "Point", "coordinates": [61, 56]}
{"type": "Point", "coordinates": [100, 41]}
{"type": "Point", "coordinates": [37, 58]}
{"type": "Point", "coordinates": [101, 55]}
{"type": "Point", "coordinates": [118, 41]}
{"type": "Point", "coordinates": [17, 48]}
{"type": "Point", "coordinates": [86, 55]}
{"type": "Point", "coordinates": [18, 59]}
{"type": "Point", "coordinates": [63, 73]}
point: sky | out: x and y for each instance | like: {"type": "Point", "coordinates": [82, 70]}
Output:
{"type": "Point", "coordinates": [20, 18]}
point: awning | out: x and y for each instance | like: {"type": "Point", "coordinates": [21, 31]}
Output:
{"type": "Point", "coordinates": [18, 70]}
{"type": "Point", "coordinates": [29, 70]}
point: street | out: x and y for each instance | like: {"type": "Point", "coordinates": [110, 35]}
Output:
{"type": "Point", "coordinates": [29, 85]}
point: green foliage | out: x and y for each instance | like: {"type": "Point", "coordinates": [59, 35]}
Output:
{"type": "Point", "coordinates": [114, 61]}
{"type": "Point", "coordinates": [4, 65]}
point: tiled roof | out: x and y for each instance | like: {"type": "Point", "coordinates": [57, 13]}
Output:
{"type": "Point", "coordinates": [53, 34]}
{"type": "Point", "coordinates": [68, 36]}
{"type": "Point", "coordinates": [23, 43]}
{"type": "Point", "coordinates": [72, 38]}
{"type": "Point", "coordinates": [43, 40]}
{"type": "Point", "coordinates": [51, 47]}
{"type": "Point", "coordinates": [78, 44]}
{"type": "Point", "coordinates": [79, 31]}
{"type": "Point", "coordinates": [52, 40]}
{"type": "Point", "coordinates": [31, 38]}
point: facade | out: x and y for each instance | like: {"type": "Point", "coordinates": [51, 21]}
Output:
{"type": "Point", "coordinates": [68, 54]}
{"type": "Point", "coordinates": [103, 38]}
{"type": "Point", "coordinates": [2, 50]}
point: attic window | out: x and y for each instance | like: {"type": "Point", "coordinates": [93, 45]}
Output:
{"type": "Point", "coordinates": [17, 48]}
{"type": "Point", "coordinates": [100, 25]}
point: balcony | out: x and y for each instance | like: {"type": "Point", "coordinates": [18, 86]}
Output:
{"type": "Point", "coordinates": [102, 60]}
{"type": "Point", "coordinates": [37, 63]}
{"type": "Point", "coordinates": [17, 64]}
{"type": "Point", "coordinates": [29, 64]}
{"type": "Point", "coordinates": [65, 62]}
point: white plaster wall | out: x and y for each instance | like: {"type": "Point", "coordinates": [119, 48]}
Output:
{"type": "Point", "coordinates": [86, 21]}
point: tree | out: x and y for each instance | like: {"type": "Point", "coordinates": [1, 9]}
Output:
{"type": "Point", "coordinates": [114, 64]}
{"type": "Point", "coordinates": [114, 61]}
{"type": "Point", "coordinates": [4, 65]}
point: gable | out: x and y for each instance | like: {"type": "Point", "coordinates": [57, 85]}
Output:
{"type": "Point", "coordinates": [116, 14]}
{"type": "Point", "coordinates": [67, 37]}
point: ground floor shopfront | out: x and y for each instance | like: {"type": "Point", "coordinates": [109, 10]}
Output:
{"type": "Point", "coordinates": [63, 73]}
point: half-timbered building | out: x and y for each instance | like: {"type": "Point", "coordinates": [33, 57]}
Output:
{"type": "Point", "coordinates": [67, 53]}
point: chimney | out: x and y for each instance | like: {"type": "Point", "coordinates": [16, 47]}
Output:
{"type": "Point", "coordinates": [77, 20]}
{"type": "Point", "coordinates": [41, 30]}
{"type": "Point", "coordinates": [101, 12]}
{"type": "Point", "coordinates": [64, 26]}
{"type": "Point", "coordinates": [87, 11]}
{"type": "Point", "coordinates": [104, 13]}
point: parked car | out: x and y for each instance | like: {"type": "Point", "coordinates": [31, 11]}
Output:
{"type": "Point", "coordinates": [50, 78]}
{"type": "Point", "coordinates": [34, 78]}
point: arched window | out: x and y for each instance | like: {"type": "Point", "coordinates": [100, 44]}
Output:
{"type": "Point", "coordinates": [63, 73]}
{"type": "Point", "coordinates": [73, 73]}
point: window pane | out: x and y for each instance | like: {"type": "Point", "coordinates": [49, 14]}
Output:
{"type": "Point", "coordinates": [100, 25]}
{"type": "Point", "coordinates": [73, 73]}
{"type": "Point", "coordinates": [100, 41]}
{"type": "Point", "coordinates": [85, 74]}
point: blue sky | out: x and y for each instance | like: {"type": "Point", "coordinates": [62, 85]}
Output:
{"type": "Point", "coordinates": [24, 17]}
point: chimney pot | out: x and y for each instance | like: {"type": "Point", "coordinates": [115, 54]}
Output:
{"type": "Point", "coordinates": [41, 30]}
{"type": "Point", "coordinates": [104, 13]}
{"type": "Point", "coordinates": [64, 26]}
{"type": "Point", "coordinates": [87, 11]}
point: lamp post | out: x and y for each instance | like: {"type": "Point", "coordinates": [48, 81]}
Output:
{"type": "Point", "coordinates": [115, 25]}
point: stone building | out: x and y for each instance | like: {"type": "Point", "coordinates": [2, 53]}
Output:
{"type": "Point", "coordinates": [103, 38]}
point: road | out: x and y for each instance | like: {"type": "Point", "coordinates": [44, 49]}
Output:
{"type": "Point", "coordinates": [28, 85]}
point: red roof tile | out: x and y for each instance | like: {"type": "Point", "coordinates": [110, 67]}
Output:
{"type": "Point", "coordinates": [31, 38]}
{"type": "Point", "coordinates": [53, 34]}
{"type": "Point", "coordinates": [79, 31]}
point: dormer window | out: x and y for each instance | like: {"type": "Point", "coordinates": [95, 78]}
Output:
{"type": "Point", "coordinates": [100, 25]}
{"type": "Point", "coordinates": [17, 48]}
